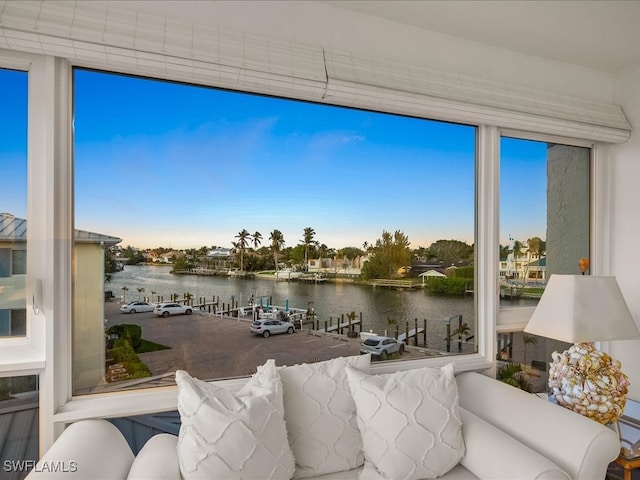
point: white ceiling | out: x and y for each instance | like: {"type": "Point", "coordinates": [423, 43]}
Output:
{"type": "Point", "coordinates": [604, 35]}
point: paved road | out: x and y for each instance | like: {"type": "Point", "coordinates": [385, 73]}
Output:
{"type": "Point", "coordinates": [209, 347]}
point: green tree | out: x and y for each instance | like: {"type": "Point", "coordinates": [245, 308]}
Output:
{"type": "Point", "coordinates": [307, 240]}
{"type": "Point", "coordinates": [537, 247]}
{"type": "Point", "coordinates": [297, 254]}
{"type": "Point", "coordinates": [463, 330]}
{"type": "Point", "coordinates": [451, 251]}
{"type": "Point", "coordinates": [182, 263]}
{"type": "Point", "coordinates": [110, 264]}
{"type": "Point", "coordinates": [188, 297]}
{"type": "Point", "coordinates": [124, 289]}
{"type": "Point", "coordinates": [140, 292]}
{"type": "Point", "coordinates": [277, 243]}
{"type": "Point", "coordinates": [528, 340]}
{"type": "Point", "coordinates": [243, 241]}
{"type": "Point", "coordinates": [256, 238]}
{"type": "Point", "coordinates": [518, 248]}
{"type": "Point", "coordinates": [389, 254]}
{"type": "Point", "coordinates": [350, 252]}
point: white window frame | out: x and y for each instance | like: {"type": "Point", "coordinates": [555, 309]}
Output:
{"type": "Point", "coordinates": [47, 347]}
{"type": "Point", "coordinates": [23, 355]}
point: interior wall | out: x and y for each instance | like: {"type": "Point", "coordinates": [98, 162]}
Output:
{"type": "Point", "coordinates": [625, 222]}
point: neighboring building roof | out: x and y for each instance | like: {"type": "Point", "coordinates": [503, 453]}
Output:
{"type": "Point", "coordinates": [219, 252]}
{"type": "Point", "coordinates": [12, 228]}
{"type": "Point", "coordinates": [541, 262]}
{"type": "Point", "coordinates": [432, 273]}
{"type": "Point", "coordinates": [19, 432]}
{"type": "Point", "coordinates": [15, 229]}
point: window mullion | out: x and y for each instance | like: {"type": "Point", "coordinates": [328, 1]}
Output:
{"type": "Point", "coordinates": [50, 230]}
{"type": "Point", "coordinates": [487, 237]}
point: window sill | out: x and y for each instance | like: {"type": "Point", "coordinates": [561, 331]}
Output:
{"type": "Point", "coordinates": [163, 399]}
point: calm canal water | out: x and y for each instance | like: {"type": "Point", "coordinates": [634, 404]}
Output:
{"type": "Point", "coordinates": [329, 299]}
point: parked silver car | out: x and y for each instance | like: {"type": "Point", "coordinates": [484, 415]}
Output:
{"type": "Point", "coordinates": [382, 347]}
{"type": "Point", "coordinates": [267, 326]}
{"type": "Point", "coordinates": [166, 309]}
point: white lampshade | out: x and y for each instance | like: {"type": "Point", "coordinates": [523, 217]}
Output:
{"type": "Point", "coordinates": [582, 308]}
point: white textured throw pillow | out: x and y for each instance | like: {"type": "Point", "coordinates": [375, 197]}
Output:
{"type": "Point", "coordinates": [410, 423]}
{"type": "Point", "coordinates": [321, 416]}
{"type": "Point", "coordinates": [233, 436]}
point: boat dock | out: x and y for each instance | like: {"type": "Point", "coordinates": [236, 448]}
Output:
{"type": "Point", "coordinates": [312, 278]}
{"type": "Point", "coordinates": [394, 283]}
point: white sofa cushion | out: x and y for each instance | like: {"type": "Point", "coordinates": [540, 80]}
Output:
{"type": "Point", "coordinates": [409, 420]}
{"type": "Point", "coordinates": [488, 446]}
{"type": "Point", "coordinates": [158, 459]}
{"type": "Point", "coordinates": [321, 416]}
{"type": "Point", "coordinates": [227, 436]}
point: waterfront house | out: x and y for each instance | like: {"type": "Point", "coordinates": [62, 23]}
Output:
{"type": "Point", "coordinates": [564, 71]}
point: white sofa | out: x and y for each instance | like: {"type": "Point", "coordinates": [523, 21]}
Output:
{"type": "Point", "coordinates": [508, 434]}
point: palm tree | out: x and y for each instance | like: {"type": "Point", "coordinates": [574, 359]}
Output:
{"type": "Point", "coordinates": [188, 296]}
{"type": "Point", "coordinates": [463, 329]}
{"type": "Point", "coordinates": [140, 290]}
{"type": "Point", "coordinates": [528, 340]}
{"type": "Point", "coordinates": [152, 294]}
{"type": "Point", "coordinates": [257, 239]}
{"type": "Point", "coordinates": [277, 242]}
{"type": "Point", "coordinates": [365, 246]}
{"type": "Point", "coordinates": [242, 244]}
{"type": "Point", "coordinates": [307, 239]}
{"type": "Point", "coordinates": [518, 250]}
{"type": "Point", "coordinates": [124, 289]}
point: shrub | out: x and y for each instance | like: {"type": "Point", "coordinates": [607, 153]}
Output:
{"type": "Point", "coordinates": [448, 286]}
{"type": "Point", "coordinates": [133, 333]}
{"type": "Point", "coordinates": [122, 352]}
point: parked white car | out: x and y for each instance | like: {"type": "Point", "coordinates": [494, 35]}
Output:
{"type": "Point", "coordinates": [136, 307]}
{"type": "Point", "coordinates": [267, 326]}
{"type": "Point", "coordinates": [166, 309]}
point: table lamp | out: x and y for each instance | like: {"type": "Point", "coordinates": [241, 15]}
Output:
{"type": "Point", "coordinates": [582, 309]}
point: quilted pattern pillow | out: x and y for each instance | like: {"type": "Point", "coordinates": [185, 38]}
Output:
{"type": "Point", "coordinates": [410, 423]}
{"type": "Point", "coordinates": [321, 416]}
{"type": "Point", "coordinates": [233, 436]}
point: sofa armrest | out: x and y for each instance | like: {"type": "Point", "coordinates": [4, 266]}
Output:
{"type": "Point", "coordinates": [492, 454]}
{"type": "Point", "coordinates": [578, 445]}
{"type": "Point", "coordinates": [158, 459]}
{"type": "Point", "coordinates": [87, 450]}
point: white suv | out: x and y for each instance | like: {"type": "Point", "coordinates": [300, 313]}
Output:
{"type": "Point", "coordinates": [381, 346]}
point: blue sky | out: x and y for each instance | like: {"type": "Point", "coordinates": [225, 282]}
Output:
{"type": "Point", "coordinates": [164, 164]}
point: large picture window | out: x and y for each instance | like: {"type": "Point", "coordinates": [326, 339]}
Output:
{"type": "Point", "coordinates": [234, 213]}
